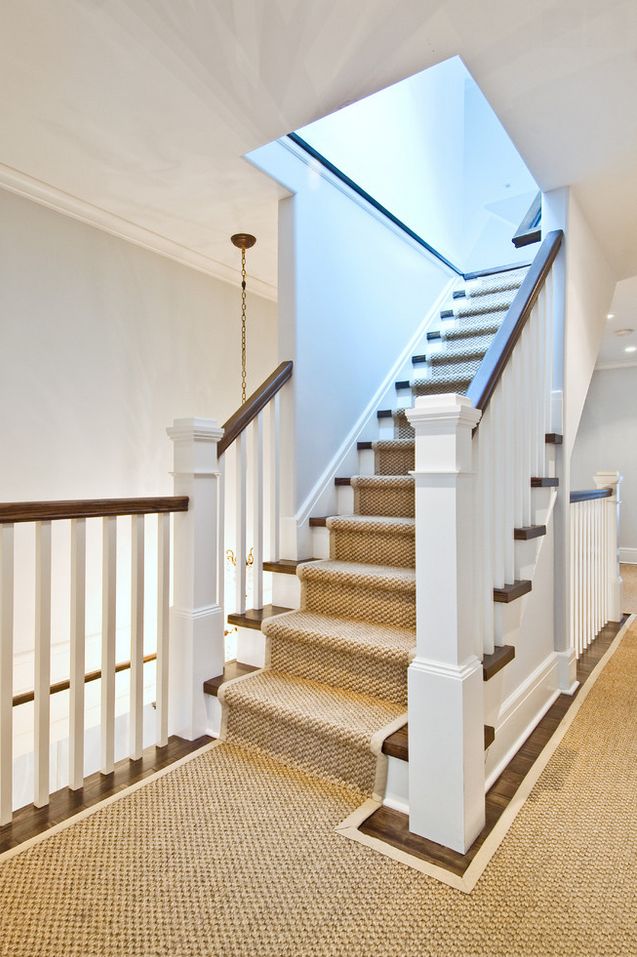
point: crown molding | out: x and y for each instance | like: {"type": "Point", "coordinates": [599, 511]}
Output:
{"type": "Point", "coordinates": [603, 366]}
{"type": "Point", "coordinates": [27, 186]}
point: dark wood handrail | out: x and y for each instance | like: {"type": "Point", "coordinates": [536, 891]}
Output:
{"type": "Point", "coordinates": [529, 231]}
{"type": "Point", "coordinates": [250, 409]}
{"type": "Point", "coordinates": [494, 363]}
{"type": "Point", "coordinates": [25, 696]}
{"type": "Point", "coordinates": [11, 512]}
{"type": "Point", "coordinates": [588, 494]}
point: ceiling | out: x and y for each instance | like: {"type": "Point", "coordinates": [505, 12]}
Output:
{"type": "Point", "coordinates": [134, 114]}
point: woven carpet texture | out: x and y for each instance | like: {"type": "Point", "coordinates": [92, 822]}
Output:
{"type": "Point", "coordinates": [234, 855]}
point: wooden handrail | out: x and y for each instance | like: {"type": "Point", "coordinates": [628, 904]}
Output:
{"type": "Point", "coordinates": [89, 508]}
{"type": "Point", "coordinates": [587, 495]}
{"type": "Point", "coordinates": [27, 696]}
{"type": "Point", "coordinates": [253, 405]}
{"type": "Point", "coordinates": [529, 230]}
{"type": "Point", "coordinates": [494, 363]}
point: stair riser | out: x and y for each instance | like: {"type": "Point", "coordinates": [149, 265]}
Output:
{"type": "Point", "coordinates": [374, 548]}
{"type": "Point", "coordinates": [361, 602]}
{"type": "Point", "coordinates": [394, 461]}
{"type": "Point", "coordinates": [304, 746]}
{"type": "Point", "coordinates": [358, 673]}
{"type": "Point", "coordinates": [393, 502]}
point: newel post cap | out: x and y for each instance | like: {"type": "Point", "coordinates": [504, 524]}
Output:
{"type": "Point", "coordinates": [446, 412]}
{"type": "Point", "coordinates": [607, 479]}
{"type": "Point", "coordinates": [195, 430]}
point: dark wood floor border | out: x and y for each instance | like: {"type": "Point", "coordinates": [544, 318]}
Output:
{"type": "Point", "coordinates": [392, 827]}
{"type": "Point", "coordinates": [30, 821]}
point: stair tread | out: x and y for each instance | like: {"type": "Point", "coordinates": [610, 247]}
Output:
{"type": "Point", "coordinates": [527, 532]}
{"type": "Point", "coordinates": [346, 634]}
{"type": "Point", "coordinates": [232, 669]}
{"type": "Point", "coordinates": [379, 481]}
{"type": "Point", "coordinates": [396, 745]}
{"type": "Point", "coordinates": [253, 617]}
{"type": "Point", "coordinates": [372, 523]}
{"type": "Point", "coordinates": [389, 577]}
{"type": "Point", "coordinates": [335, 711]}
{"type": "Point", "coordinates": [501, 656]}
{"type": "Point", "coordinates": [544, 481]}
{"type": "Point", "coordinates": [285, 566]}
{"type": "Point", "coordinates": [512, 591]}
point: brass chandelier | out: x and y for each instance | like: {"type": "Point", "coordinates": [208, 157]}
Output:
{"type": "Point", "coordinates": [243, 241]}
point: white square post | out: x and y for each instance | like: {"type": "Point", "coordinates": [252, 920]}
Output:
{"type": "Point", "coordinates": [613, 481]}
{"type": "Point", "coordinates": [196, 618]}
{"type": "Point", "coordinates": [446, 708]}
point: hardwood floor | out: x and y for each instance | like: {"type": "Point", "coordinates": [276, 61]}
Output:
{"type": "Point", "coordinates": [29, 821]}
{"type": "Point", "coordinates": [392, 827]}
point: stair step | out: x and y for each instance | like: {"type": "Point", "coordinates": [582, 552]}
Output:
{"type": "Point", "coordinates": [512, 592]}
{"type": "Point", "coordinates": [232, 669]}
{"type": "Point", "coordinates": [253, 617]}
{"type": "Point", "coordinates": [384, 414]}
{"type": "Point", "coordinates": [403, 384]}
{"type": "Point", "coordinates": [447, 314]}
{"type": "Point", "coordinates": [318, 521]}
{"type": "Point", "coordinates": [527, 532]}
{"type": "Point", "coordinates": [286, 566]}
{"type": "Point", "coordinates": [494, 270]}
{"type": "Point", "coordinates": [459, 294]}
{"type": "Point", "coordinates": [361, 446]}
{"type": "Point", "coordinates": [417, 359]}
{"type": "Point", "coordinates": [553, 438]}
{"type": "Point", "coordinates": [343, 480]}
{"type": "Point", "coordinates": [501, 656]}
{"type": "Point", "coordinates": [544, 482]}
{"type": "Point", "coordinates": [396, 745]}
{"type": "Point", "coordinates": [436, 334]}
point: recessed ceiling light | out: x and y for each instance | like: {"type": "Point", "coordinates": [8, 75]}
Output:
{"type": "Point", "coordinates": [624, 332]}
{"type": "Point", "coordinates": [630, 349]}
{"type": "Point", "coordinates": [610, 315]}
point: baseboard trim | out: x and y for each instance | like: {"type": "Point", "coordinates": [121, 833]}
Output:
{"type": "Point", "coordinates": [628, 556]}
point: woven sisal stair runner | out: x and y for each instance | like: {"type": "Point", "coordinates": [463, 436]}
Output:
{"type": "Point", "coordinates": [335, 684]}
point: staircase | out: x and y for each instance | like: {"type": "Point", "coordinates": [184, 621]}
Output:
{"type": "Point", "coordinates": [332, 698]}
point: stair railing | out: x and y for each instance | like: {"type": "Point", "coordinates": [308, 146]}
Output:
{"type": "Point", "coordinates": [50, 553]}
{"type": "Point", "coordinates": [596, 582]}
{"type": "Point", "coordinates": [250, 520]}
{"type": "Point", "coordinates": [477, 458]}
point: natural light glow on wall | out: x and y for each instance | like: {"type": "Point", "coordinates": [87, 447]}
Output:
{"type": "Point", "coordinates": [433, 152]}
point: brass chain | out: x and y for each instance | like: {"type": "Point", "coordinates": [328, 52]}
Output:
{"type": "Point", "coordinates": [243, 326]}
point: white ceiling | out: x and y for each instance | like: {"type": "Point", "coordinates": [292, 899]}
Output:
{"type": "Point", "coordinates": [135, 113]}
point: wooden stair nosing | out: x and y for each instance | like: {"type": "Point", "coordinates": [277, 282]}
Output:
{"type": "Point", "coordinates": [286, 566]}
{"type": "Point", "coordinates": [553, 438]}
{"type": "Point", "coordinates": [491, 664]}
{"type": "Point", "coordinates": [396, 745]}
{"type": "Point", "coordinates": [527, 532]}
{"type": "Point", "coordinates": [402, 384]}
{"type": "Point", "coordinates": [384, 414]}
{"type": "Point", "coordinates": [232, 669]}
{"type": "Point", "coordinates": [253, 617]}
{"type": "Point", "coordinates": [512, 592]}
{"type": "Point", "coordinates": [544, 481]}
{"type": "Point", "coordinates": [318, 521]}
{"type": "Point", "coordinates": [342, 480]}
{"type": "Point", "coordinates": [364, 446]}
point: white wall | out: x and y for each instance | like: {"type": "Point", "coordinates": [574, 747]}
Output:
{"type": "Point", "coordinates": [352, 293]}
{"type": "Point", "coordinates": [103, 344]}
{"type": "Point", "coordinates": [607, 439]}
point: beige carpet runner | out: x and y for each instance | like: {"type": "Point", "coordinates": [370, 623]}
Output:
{"type": "Point", "coordinates": [335, 684]}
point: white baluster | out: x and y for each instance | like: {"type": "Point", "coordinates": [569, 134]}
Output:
{"type": "Point", "coordinates": [274, 478]}
{"type": "Point", "coordinates": [163, 589]}
{"type": "Point", "coordinates": [109, 610]}
{"type": "Point", "coordinates": [485, 542]}
{"type": "Point", "coordinates": [613, 481]}
{"type": "Point", "coordinates": [241, 522]}
{"type": "Point", "coordinates": [221, 524]}
{"type": "Point", "coordinates": [257, 510]}
{"type": "Point", "coordinates": [78, 653]}
{"type": "Point", "coordinates": [578, 563]}
{"type": "Point", "coordinates": [573, 608]}
{"type": "Point", "coordinates": [42, 685]}
{"type": "Point", "coordinates": [136, 736]}
{"type": "Point", "coordinates": [497, 452]}
{"type": "Point", "coordinates": [6, 673]}
{"type": "Point", "coordinates": [508, 474]}
{"type": "Point", "coordinates": [524, 437]}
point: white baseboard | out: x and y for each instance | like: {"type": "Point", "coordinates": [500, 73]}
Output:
{"type": "Point", "coordinates": [520, 713]}
{"type": "Point", "coordinates": [628, 556]}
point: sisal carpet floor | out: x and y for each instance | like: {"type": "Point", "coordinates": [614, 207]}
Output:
{"type": "Point", "coordinates": [236, 854]}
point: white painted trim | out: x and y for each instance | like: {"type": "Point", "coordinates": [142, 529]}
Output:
{"type": "Point", "coordinates": [68, 205]}
{"type": "Point", "coordinates": [329, 473]}
{"type": "Point", "coordinates": [628, 556]}
{"type": "Point", "coordinates": [533, 697]}
{"type": "Point", "coordinates": [603, 366]}
{"type": "Point", "coordinates": [317, 168]}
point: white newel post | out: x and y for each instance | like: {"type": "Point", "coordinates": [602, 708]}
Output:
{"type": "Point", "coordinates": [446, 709]}
{"type": "Point", "coordinates": [196, 618]}
{"type": "Point", "coordinates": [612, 480]}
